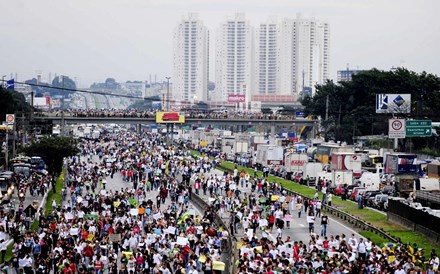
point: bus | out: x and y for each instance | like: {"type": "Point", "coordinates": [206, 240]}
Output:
{"type": "Point", "coordinates": [6, 180]}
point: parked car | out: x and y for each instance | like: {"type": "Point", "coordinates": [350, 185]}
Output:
{"type": "Point", "coordinates": [380, 200]}
{"type": "Point", "coordinates": [354, 193]}
{"type": "Point", "coordinates": [369, 197]}
{"type": "Point", "coordinates": [389, 190]}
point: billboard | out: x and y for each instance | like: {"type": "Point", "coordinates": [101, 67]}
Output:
{"type": "Point", "coordinates": [170, 117]}
{"type": "Point", "coordinates": [400, 163]}
{"type": "Point", "coordinates": [236, 98]}
{"type": "Point", "coordinates": [393, 103]}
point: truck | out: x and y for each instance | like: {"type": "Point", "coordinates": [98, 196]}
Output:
{"type": "Point", "coordinates": [311, 170]}
{"type": "Point", "coordinates": [433, 169]}
{"type": "Point", "coordinates": [370, 181]}
{"type": "Point", "coordinates": [342, 177]}
{"type": "Point", "coordinates": [401, 164]}
{"type": "Point", "coordinates": [404, 184]}
{"type": "Point", "coordinates": [293, 163]}
{"type": "Point", "coordinates": [269, 155]}
{"type": "Point", "coordinates": [241, 147]}
{"type": "Point", "coordinates": [347, 161]}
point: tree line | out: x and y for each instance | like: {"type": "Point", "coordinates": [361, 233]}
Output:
{"type": "Point", "coordinates": [350, 107]}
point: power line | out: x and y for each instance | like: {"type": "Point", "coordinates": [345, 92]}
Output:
{"type": "Point", "coordinates": [108, 93]}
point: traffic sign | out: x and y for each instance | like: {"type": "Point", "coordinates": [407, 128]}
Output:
{"type": "Point", "coordinates": [418, 128]}
{"type": "Point", "coordinates": [10, 119]}
{"type": "Point", "coordinates": [396, 128]}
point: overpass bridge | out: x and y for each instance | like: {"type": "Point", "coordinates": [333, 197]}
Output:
{"type": "Point", "coordinates": [240, 122]}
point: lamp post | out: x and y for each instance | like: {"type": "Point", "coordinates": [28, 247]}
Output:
{"type": "Point", "coordinates": [3, 80]}
{"type": "Point", "coordinates": [62, 108]}
{"type": "Point", "coordinates": [168, 93]}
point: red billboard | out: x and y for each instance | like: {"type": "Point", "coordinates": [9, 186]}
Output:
{"type": "Point", "coordinates": [236, 98]}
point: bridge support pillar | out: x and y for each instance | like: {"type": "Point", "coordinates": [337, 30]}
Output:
{"type": "Point", "coordinates": [139, 128]}
{"type": "Point", "coordinates": [272, 134]}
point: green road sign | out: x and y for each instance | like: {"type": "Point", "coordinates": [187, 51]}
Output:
{"type": "Point", "coordinates": [418, 128]}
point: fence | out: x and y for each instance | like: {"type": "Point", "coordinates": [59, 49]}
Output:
{"type": "Point", "coordinates": [229, 258]}
{"type": "Point", "coordinates": [416, 219]}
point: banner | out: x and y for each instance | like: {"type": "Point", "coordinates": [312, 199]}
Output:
{"type": "Point", "coordinates": [170, 117]}
{"type": "Point", "coordinates": [236, 98]}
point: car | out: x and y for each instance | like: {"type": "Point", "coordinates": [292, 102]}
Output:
{"type": "Point", "coordinates": [380, 200]}
{"type": "Point", "coordinates": [369, 197]}
{"type": "Point", "coordinates": [389, 190]}
{"type": "Point", "coordinates": [354, 193]}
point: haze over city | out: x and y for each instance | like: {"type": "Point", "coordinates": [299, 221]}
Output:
{"type": "Point", "coordinates": [129, 40]}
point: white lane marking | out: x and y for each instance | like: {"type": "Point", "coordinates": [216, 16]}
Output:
{"type": "Point", "coordinates": [345, 227]}
{"type": "Point", "coordinates": [302, 225]}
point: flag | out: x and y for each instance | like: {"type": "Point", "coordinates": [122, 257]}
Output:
{"type": "Point", "coordinates": [10, 84]}
{"type": "Point", "coordinates": [183, 218]}
{"type": "Point", "coordinates": [133, 202]}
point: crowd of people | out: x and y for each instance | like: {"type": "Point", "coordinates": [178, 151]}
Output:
{"type": "Point", "coordinates": [127, 113]}
{"type": "Point", "coordinates": [150, 226]}
{"type": "Point", "coordinates": [259, 207]}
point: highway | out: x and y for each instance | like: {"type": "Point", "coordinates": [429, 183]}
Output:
{"type": "Point", "coordinates": [298, 230]}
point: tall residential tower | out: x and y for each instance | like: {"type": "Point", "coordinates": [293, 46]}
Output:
{"type": "Point", "coordinates": [190, 58]}
{"type": "Point", "coordinates": [234, 58]}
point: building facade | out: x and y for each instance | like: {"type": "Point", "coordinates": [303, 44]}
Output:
{"type": "Point", "coordinates": [304, 54]}
{"type": "Point", "coordinates": [190, 61]}
{"type": "Point", "coordinates": [267, 65]}
{"type": "Point", "coordinates": [234, 59]}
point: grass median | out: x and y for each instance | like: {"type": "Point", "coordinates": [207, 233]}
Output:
{"type": "Point", "coordinates": [372, 217]}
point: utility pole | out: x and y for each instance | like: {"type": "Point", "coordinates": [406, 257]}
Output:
{"type": "Point", "coordinates": [62, 108]}
{"type": "Point", "coordinates": [326, 108]}
{"type": "Point", "coordinates": [168, 93]}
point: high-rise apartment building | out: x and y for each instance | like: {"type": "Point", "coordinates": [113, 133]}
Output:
{"type": "Point", "coordinates": [304, 54]}
{"type": "Point", "coordinates": [234, 59]}
{"type": "Point", "coordinates": [267, 58]}
{"type": "Point", "coordinates": [190, 58]}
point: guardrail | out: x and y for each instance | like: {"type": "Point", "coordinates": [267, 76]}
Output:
{"type": "Point", "coordinates": [353, 220]}
{"type": "Point", "coordinates": [230, 256]}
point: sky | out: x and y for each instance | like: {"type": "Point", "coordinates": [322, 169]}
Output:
{"type": "Point", "coordinates": [91, 40]}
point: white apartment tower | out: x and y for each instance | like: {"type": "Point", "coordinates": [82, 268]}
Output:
{"type": "Point", "coordinates": [190, 58]}
{"type": "Point", "coordinates": [304, 54]}
{"type": "Point", "coordinates": [267, 58]}
{"type": "Point", "coordinates": [234, 59]}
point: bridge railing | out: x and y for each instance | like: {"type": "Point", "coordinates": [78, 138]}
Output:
{"type": "Point", "coordinates": [229, 257]}
{"type": "Point", "coordinates": [134, 114]}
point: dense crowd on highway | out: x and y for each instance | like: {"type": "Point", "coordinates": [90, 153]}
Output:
{"type": "Point", "coordinates": [150, 225]}
{"type": "Point", "coordinates": [127, 113]}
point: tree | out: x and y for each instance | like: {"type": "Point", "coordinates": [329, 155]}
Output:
{"type": "Point", "coordinates": [12, 101]}
{"type": "Point", "coordinates": [53, 149]}
{"type": "Point", "coordinates": [351, 105]}
{"type": "Point", "coordinates": [62, 82]}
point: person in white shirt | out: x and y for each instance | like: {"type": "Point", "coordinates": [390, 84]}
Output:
{"type": "Point", "coordinates": [362, 250]}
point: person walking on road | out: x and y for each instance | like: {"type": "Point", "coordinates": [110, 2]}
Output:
{"type": "Point", "coordinates": [324, 223]}
{"type": "Point", "coordinates": [299, 207]}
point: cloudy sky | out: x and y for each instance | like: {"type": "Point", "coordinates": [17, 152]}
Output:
{"type": "Point", "coordinates": [130, 39]}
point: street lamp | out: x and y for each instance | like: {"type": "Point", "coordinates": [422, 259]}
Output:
{"type": "Point", "coordinates": [168, 93]}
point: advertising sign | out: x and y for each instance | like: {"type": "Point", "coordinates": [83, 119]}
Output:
{"type": "Point", "coordinates": [236, 98]}
{"type": "Point", "coordinates": [170, 117]}
{"type": "Point", "coordinates": [10, 119]}
{"type": "Point", "coordinates": [393, 103]}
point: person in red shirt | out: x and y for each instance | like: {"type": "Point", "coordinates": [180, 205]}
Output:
{"type": "Point", "coordinates": [185, 253]}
